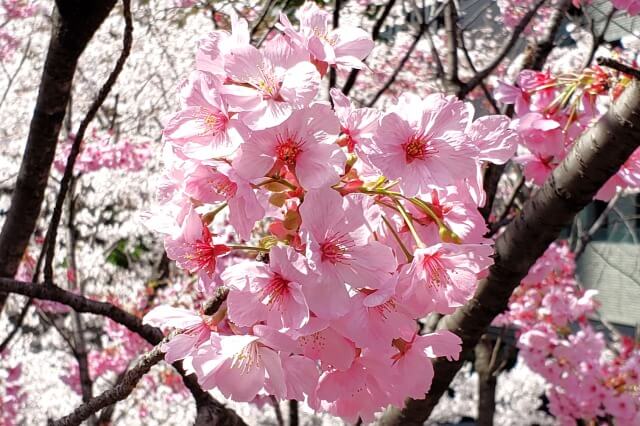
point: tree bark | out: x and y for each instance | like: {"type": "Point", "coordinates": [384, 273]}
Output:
{"type": "Point", "coordinates": [74, 23]}
{"type": "Point", "coordinates": [487, 382]}
{"type": "Point", "coordinates": [596, 156]}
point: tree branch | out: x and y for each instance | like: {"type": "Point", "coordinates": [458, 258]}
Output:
{"type": "Point", "coordinates": [210, 411]}
{"type": "Point", "coordinates": [74, 23]}
{"type": "Point", "coordinates": [595, 157]}
{"type": "Point", "coordinates": [451, 28]}
{"type": "Point", "coordinates": [479, 77]}
{"type": "Point", "coordinates": [50, 239]}
{"type": "Point", "coordinates": [375, 34]}
{"type": "Point", "coordinates": [585, 239]}
{"type": "Point", "coordinates": [120, 391]}
{"type": "Point", "coordinates": [400, 66]}
{"type": "Point", "coordinates": [619, 66]}
{"type": "Point", "coordinates": [333, 75]}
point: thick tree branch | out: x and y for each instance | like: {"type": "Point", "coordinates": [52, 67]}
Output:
{"type": "Point", "coordinates": [74, 23]}
{"type": "Point", "coordinates": [50, 239]}
{"type": "Point", "coordinates": [595, 157]}
{"type": "Point", "coordinates": [451, 28]}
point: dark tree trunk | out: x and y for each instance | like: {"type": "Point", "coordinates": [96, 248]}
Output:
{"type": "Point", "coordinates": [74, 23]}
{"type": "Point", "coordinates": [487, 382]}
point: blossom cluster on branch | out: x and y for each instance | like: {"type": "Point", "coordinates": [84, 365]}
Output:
{"type": "Point", "coordinates": [588, 378]}
{"type": "Point", "coordinates": [367, 221]}
{"type": "Point", "coordinates": [553, 110]}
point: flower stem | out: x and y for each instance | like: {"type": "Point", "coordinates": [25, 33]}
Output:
{"type": "Point", "coordinates": [406, 251]}
{"type": "Point", "coordinates": [244, 247]}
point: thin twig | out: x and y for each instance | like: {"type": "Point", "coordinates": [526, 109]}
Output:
{"type": "Point", "coordinates": [17, 327]}
{"type": "Point", "coordinates": [333, 75]}
{"type": "Point", "coordinates": [400, 66]}
{"type": "Point", "coordinates": [599, 222]}
{"type": "Point", "coordinates": [15, 73]}
{"type": "Point", "coordinates": [277, 410]}
{"type": "Point", "coordinates": [262, 17]}
{"type": "Point", "coordinates": [495, 226]}
{"type": "Point", "coordinates": [618, 66]}
{"type": "Point", "coordinates": [598, 39]}
{"type": "Point", "coordinates": [375, 34]}
{"type": "Point", "coordinates": [515, 36]}
{"type": "Point", "coordinates": [50, 239]}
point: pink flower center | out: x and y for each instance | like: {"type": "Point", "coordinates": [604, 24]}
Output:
{"type": "Point", "coordinates": [248, 358]}
{"type": "Point", "coordinates": [287, 151]}
{"type": "Point", "coordinates": [438, 275]}
{"type": "Point", "coordinates": [335, 249]}
{"type": "Point", "coordinates": [203, 257]}
{"type": "Point", "coordinates": [276, 291]}
{"type": "Point", "coordinates": [418, 148]}
{"type": "Point", "coordinates": [215, 121]}
{"type": "Point", "coordinates": [324, 36]}
{"type": "Point", "coordinates": [223, 186]}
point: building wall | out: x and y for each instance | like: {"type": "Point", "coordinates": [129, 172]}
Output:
{"type": "Point", "coordinates": [614, 270]}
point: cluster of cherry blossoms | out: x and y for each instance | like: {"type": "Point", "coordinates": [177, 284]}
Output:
{"type": "Point", "coordinates": [99, 150]}
{"type": "Point", "coordinates": [13, 10]}
{"type": "Point", "coordinates": [363, 221]}
{"type": "Point", "coordinates": [588, 379]}
{"type": "Point", "coordinates": [554, 110]}
{"type": "Point", "coordinates": [12, 396]}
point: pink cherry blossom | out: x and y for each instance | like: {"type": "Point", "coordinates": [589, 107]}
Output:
{"type": "Point", "coordinates": [342, 250]}
{"type": "Point", "coordinates": [267, 87]}
{"type": "Point", "coordinates": [271, 293]}
{"type": "Point", "coordinates": [203, 129]}
{"type": "Point", "coordinates": [423, 144]}
{"type": "Point", "coordinates": [344, 47]}
{"type": "Point", "coordinates": [442, 277]}
{"type": "Point", "coordinates": [304, 143]}
{"type": "Point", "coordinates": [194, 249]}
